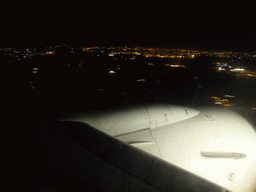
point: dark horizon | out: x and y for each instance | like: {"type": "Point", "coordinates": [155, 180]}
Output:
{"type": "Point", "coordinates": [228, 26]}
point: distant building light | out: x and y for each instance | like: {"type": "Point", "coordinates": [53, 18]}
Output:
{"type": "Point", "coordinates": [221, 69]}
{"type": "Point", "coordinates": [150, 63]}
{"type": "Point", "coordinates": [111, 72]}
{"type": "Point", "coordinates": [80, 65]}
{"type": "Point", "coordinates": [238, 69]}
{"type": "Point", "coordinates": [69, 65]}
{"type": "Point", "coordinates": [35, 69]}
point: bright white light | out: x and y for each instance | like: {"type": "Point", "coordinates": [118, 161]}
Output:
{"type": "Point", "coordinates": [238, 69]}
{"type": "Point", "coordinates": [35, 69]}
{"type": "Point", "coordinates": [221, 69]}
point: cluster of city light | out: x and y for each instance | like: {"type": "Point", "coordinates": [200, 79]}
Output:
{"type": "Point", "coordinates": [237, 69]}
{"type": "Point", "coordinates": [136, 51]}
{"type": "Point", "coordinates": [223, 102]}
{"type": "Point", "coordinates": [176, 66]}
{"type": "Point", "coordinates": [244, 73]}
{"type": "Point", "coordinates": [49, 52]}
{"type": "Point", "coordinates": [112, 72]}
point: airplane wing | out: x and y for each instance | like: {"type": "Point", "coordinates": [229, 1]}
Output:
{"type": "Point", "coordinates": [92, 158]}
{"type": "Point", "coordinates": [212, 143]}
{"type": "Point", "coordinates": [73, 156]}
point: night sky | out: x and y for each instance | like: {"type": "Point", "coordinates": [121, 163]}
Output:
{"type": "Point", "coordinates": [170, 23]}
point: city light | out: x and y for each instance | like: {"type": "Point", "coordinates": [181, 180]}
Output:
{"type": "Point", "coordinates": [112, 72]}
